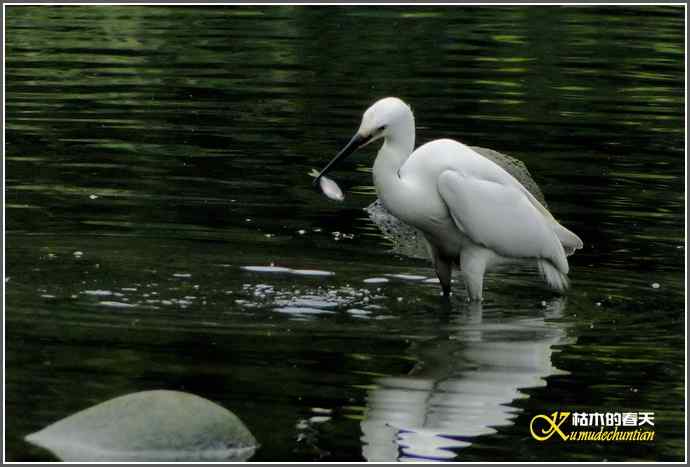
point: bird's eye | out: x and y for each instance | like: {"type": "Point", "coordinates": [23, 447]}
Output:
{"type": "Point", "coordinates": [381, 129]}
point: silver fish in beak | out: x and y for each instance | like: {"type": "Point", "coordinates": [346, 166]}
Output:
{"type": "Point", "coordinates": [328, 186]}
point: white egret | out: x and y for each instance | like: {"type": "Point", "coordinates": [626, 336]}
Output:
{"type": "Point", "coordinates": [472, 212]}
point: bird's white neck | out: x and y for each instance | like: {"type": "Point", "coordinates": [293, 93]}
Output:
{"type": "Point", "coordinates": [397, 147]}
{"type": "Point", "coordinates": [388, 161]}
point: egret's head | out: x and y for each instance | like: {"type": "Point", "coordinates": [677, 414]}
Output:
{"type": "Point", "coordinates": [379, 121]}
{"type": "Point", "coordinates": [385, 115]}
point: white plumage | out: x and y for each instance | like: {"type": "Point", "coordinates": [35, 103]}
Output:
{"type": "Point", "coordinates": [470, 210]}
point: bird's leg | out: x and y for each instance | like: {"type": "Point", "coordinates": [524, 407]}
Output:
{"type": "Point", "coordinates": [444, 271]}
{"type": "Point", "coordinates": [473, 267]}
{"type": "Point", "coordinates": [445, 285]}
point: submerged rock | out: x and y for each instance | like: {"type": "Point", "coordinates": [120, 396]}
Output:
{"type": "Point", "coordinates": [149, 426]}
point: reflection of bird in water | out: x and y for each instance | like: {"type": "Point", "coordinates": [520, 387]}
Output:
{"type": "Point", "coordinates": [471, 211]}
{"type": "Point", "coordinates": [462, 387]}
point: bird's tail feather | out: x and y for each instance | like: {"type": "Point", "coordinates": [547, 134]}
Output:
{"type": "Point", "coordinates": [555, 278]}
{"type": "Point", "coordinates": [568, 239]}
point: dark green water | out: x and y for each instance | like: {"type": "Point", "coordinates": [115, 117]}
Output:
{"type": "Point", "coordinates": [153, 151]}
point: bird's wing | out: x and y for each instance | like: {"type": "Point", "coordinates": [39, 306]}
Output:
{"type": "Point", "coordinates": [500, 217]}
{"type": "Point", "coordinates": [569, 240]}
{"type": "Point", "coordinates": [519, 172]}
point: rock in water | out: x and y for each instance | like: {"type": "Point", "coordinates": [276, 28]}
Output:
{"type": "Point", "coordinates": [149, 426]}
{"type": "Point", "coordinates": [516, 168]}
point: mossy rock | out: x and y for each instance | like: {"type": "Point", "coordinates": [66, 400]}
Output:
{"type": "Point", "coordinates": [149, 426]}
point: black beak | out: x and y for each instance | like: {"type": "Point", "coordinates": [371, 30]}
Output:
{"type": "Point", "coordinates": [356, 142]}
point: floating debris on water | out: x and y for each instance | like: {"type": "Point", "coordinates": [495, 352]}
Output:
{"type": "Point", "coordinates": [407, 277]}
{"type": "Point", "coordinates": [376, 280]}
{"type": "Point", "coordinates": [100, 293]}
{"type": "Point", "coordinates": [312, 272]}
{"type": "Point", "coordinates": [358, 313]}
{"type": "Point", "coordinates": [434, 280]}
{"type": "Point", "coordinates": [319, 419]}
{"type": "Point", "coordinates": [303, 310]}
{"type": "Point", "coordinates": [656, 285]}
{"type": "Point", "coordinates": [78, 254]}
{"type": "Point", "coordinates": [276, 269]}
{"type": "Point", "coordinates": [93, 196]}
{"type": "Point", "coordinates": [308, 301]}
{"type": "Point", "coordinates": [301, 304]}
{"type": "Point", "coordinates": [338, 235]}
{"type": "Point", "coordinates": [301, 425]}
{"type": "Point", "coordinates": [265, 269]}
{"type": "Point", "coordinates": [116, 304]}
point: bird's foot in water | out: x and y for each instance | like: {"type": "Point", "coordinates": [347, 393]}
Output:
{"type": "Point", "coordinates": [469, 299]}
{"type": "Point", "coordinates": [447, 297]}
